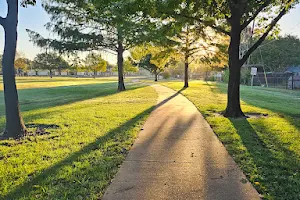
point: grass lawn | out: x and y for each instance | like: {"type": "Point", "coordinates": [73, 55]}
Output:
{"type": "Point", "coordinates": [266, 148]}
{"type": "Point", "coordinates": [89, 128]}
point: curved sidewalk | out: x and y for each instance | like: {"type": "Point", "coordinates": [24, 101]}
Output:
{"type": "Point", "coordinates": [177, 156]}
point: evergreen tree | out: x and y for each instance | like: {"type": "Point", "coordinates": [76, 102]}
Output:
{"type": "Point", "coordinates": [95, 25]}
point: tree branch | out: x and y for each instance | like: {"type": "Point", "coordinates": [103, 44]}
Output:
{"type": "Point", "coordinates": [246, 23]}
{"type": "Point", "coordinates": [263, 37]}
{"type": "Point", "coordinates": [2, 20]}
{"type": "Point", "coordinates": [206, 23]}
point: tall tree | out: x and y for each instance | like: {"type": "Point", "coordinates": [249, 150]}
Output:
{"type": "Point", "coordinates": [95, 63]}
{"type": "Point", "coordinates": [95, 25]}
{"type": "Point", "coordinates": [229, 17]}
{"type": "Point", "coordinates": [49, 61]}
{"type": "Point", "coordinates": [197, 44]}
{"type": "Point", "coordinates": [15, 126]}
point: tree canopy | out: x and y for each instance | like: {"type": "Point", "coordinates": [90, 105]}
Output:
{"type": "Point", "coordinates": [129, 66]}
{"type": "Point", "coordinates": [278, 54]}
{"type": "Point", "coordinates": [81, 25]}
{"type": "Point", "coordinates": [95, 63]}
{"type": "Point", "coordinates": [152, 58]}
{"type": "Point", "coordinates": [228, 17]}
{"type": "Point", "coordinates": [22, 64]}
{"type": "Point", "coordinates": [49, 61]}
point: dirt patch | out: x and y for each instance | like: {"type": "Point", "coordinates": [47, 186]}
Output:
{"type": "Point", "coordinates": [41, 129]}
{"type": "Point", "coordinates": [256, 115]}
{"type": "Point", "coordinates": [248, 115]}
{"type": "Point", "coordinates": [218, 115]}
{"type": "Point", "coordinates": [43, 126]}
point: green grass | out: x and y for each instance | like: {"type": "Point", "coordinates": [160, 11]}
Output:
{"type": "Point", "coordinates": [47, 82]}
{"type": "Point", "coordinates": [267, 148]}
{"type": "Point", "coordinates": [91, 128]}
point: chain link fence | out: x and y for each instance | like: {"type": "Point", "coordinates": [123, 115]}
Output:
{"type": "Point", "coordinates": [289, 81]}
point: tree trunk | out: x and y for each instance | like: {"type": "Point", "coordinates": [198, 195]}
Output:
{"type": "Point", "coordinates": [51, 73]}
{"type": "Point", "coordinates": [233, 96]}
{"type": "Point", "coordinates": [186, 72]}
{"type": "Point", "coordinates": [94, 73]}
{"type": "Point", "coordinates": [121, 86]}
{"type": "Point", "coordinates": [155, 76]}
{"type": "Point", "coordinates": [15, 127]}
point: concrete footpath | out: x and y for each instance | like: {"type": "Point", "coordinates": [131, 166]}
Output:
{"type": "Point", "coordinates": [177, 156]}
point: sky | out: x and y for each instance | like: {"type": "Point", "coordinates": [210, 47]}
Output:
{"type": "Point", "coordinates": [34, 18]}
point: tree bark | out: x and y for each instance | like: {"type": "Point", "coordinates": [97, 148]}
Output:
{"type": "Point", "coordinates": [94, 73]}
{"type": "Point", "coordinates": [15, 127]}
{"type": "Point", "coordinates": [121, 85]}
{"type": "Point", "coordinates": [186, 58]}
{"type": "Point", "coordinates": [233, 108]}
{"type": "Point", "coordinates": [50, 73]}
{"type": "Point", "coordinates": [186, 72]}
{"type": "Point", "coordinates": [155, 76]}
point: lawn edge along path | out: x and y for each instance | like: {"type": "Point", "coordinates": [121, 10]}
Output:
{"type": "Point", "coordinates": [266, 145]}
{"type": "Point", "coordinates": [178, 156]}
{"type": "Point", "coordinates": [81, 152]}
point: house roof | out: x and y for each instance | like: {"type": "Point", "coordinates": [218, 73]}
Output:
{"type": "Point", "coordinates": [292, 69]}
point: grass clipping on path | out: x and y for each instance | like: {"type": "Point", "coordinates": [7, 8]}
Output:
{"type": "Point", "coordinates": [266, 148]}
{"type": "Point", "coordinates": [85, 144]}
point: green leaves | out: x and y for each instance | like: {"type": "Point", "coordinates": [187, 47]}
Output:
{"type": "Point", "coordinates": [152, 58]}
{"type": "Point", "coordinates": [49, 61]}
{"type": "Point", "coordinates": [278, 54]}
{"type": "Point", "coordinates": [25, 3]}
{"type": "Point", "coordinates": [94, 25]}
{"type": "Point", "coordinates": [95, 63]}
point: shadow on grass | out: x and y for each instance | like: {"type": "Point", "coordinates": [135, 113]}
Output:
{"type": "Point", "coordinates": [50, 177]}
{"type": "Point", "coordinates": [85, 182]}
{"type": "Point", "coordinates": [41, 98]}
{"type": "Point", "coordinates": [286, 108]}
{"type": "Point", "coordinates": [277, 167]}
{"type": "Point", "coordinates": [259, 98]}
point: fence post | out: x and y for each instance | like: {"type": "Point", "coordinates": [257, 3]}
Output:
{"type": "Point", "coordinates": [292, 81]}
{"type": "Point", "coordinates": [287, 81]}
